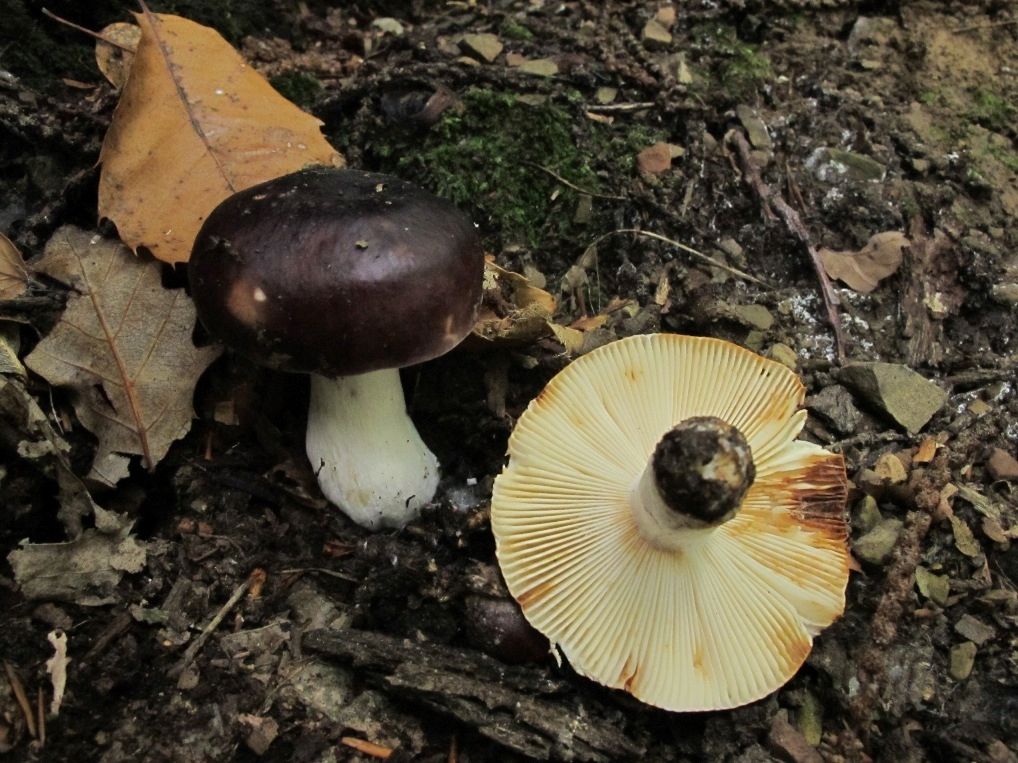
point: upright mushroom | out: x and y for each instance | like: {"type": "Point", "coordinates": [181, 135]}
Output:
{"type": "Point", "coordinates": [659, 522]}
{"type": "Point", "coordinates": [347, 276]}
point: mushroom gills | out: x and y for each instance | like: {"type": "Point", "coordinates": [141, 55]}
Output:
{"type": "Point", "coordinates": [367, 454]}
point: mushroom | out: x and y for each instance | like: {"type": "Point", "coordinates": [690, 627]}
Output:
{"type": "Point", "coordinates": [659, 522]}
{"type": "Point", "coordinates": [346, 276]}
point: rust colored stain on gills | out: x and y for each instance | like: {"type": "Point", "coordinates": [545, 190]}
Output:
{"type": "Point", "coordinates": [535, 594]}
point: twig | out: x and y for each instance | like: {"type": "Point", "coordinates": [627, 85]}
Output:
{"type": "Point", "coordinates": [89, 32]}
{"type": "Point", "coordinates": [619, 107]}
{"type": "Point", "coordinates": [988, 25]}
{"type": "Point", "coordinates": [192, 650]}
{"type": "Point", "coordinates": [683, 247]}
{"type": "Point", "coordinates": [19, 694]}
{"type": "Point", "coordinates": [774, 205]}
{"type": "Point", "coordinates": [367, 748]}
{"type": "Point", "coordinates": [575, 187]}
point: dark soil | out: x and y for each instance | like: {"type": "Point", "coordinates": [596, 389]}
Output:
{"type": "Point", "coordinates": [879, 116]}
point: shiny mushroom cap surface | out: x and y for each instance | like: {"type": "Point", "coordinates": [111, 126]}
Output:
{"type": "Point", "coordinates": [338, 272]}
{"type": "Point", "coordinates": [686, 615]}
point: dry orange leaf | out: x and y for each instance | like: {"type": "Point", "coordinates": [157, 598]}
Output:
{"type": "Point", "coordinates": [124, 346]}
{"type": "Point", "coordinates": [115, 62]}
{"type": "Point", "coordinates": [863, 270]}
{"type": "Point", "coordinates": [13, 274]}
{"type": "Point", "coordinates": [195, 124]}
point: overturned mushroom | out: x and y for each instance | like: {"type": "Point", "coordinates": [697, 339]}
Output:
{"type": "Point", "coordinates": [660, 524]}
{"type": "Point", "coordinates": [347, 276]}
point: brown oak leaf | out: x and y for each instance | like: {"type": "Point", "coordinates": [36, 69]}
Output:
{"type": "Point", "coordinates": [124, 346]}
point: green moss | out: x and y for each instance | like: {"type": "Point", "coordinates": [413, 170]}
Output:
{"type": "Point", "coordinates": [488, 156]}
{"type": "Point", "coordinates": [742, 68]}
{"type": "Point", "coordinates": [512, 29]}
{"type": "Point", "coordinates": [992, 111]}
{"type": "Point", "coordinates": [299, 87]}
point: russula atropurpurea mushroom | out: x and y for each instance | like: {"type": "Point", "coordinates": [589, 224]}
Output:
{"type": "Point", "coordinates": [661, 525]}
{"type": "Point", "coordinates": [346, 276]}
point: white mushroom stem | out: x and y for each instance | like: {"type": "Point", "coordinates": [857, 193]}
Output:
{"type": "Point", "coordinates": [693, 482]}
{"type": "Point", "coordinates": [657, 523]}
{"type": "Point", "coordinates": [369, 458]}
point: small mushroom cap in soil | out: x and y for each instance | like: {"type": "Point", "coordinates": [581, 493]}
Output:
{"type": "Point", "coordinates": [338, 272]}
{"type": "Point", "coordinates": [684, 611]}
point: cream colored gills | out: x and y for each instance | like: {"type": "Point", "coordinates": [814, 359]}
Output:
{"type": "Point", "coordinates": [717, 616]}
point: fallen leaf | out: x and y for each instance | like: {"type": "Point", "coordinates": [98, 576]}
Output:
{"type": "Point", "coordinates": [123, 345]}
{"type": "Point", "coordinates": [195, 124]}
{"type": "Point", "coordinates": [56, 666]}
{"type": "Point", "coordinates": [964, 540]}
{"type": "Point", "coordinates": [83, 571]}
{"type": "Point", "coordinates": [22, 419]}
{"type": "Point", "coordinates": [863, 270]}
{"type": "Point", "coordinates": [513, 310]}
{"type": "Point", "coordinates": [13, 274]}
{"type": "Point", "coordinates": [655, 159]}
{"type": "Point", "coordinates": [10, 343]}
{"type": "Point", "coordinates": [115, 62]}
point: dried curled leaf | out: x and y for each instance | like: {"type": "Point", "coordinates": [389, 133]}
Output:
{"type": "Point", "coordinates": [863, 270]}
{"type": "Point", "coordinates": [124, 346]}
{"type": "Point", "coordinates": [23, 421]}
{"type": "Point", "coordinates": [113, 61]}
{"type": "Point", "coordinates": [194, 125]}
{"type": "Point", "coordinates": [513, 310]}
{"type": "Point", "coordinates": [84, 571]}
{"type": "Point", "coordinates": [13, 274]}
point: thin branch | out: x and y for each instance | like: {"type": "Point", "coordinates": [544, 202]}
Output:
{"type": "Point", "coordinates": [774, 205]}
{"type": "Point", "coordinates": [603, 108]}
{"type": "Point", "coordinates": [575, 187]}
{"type": "Point", "coordinates": [688, 249]}
{"type": "Point", "coordinates": [22, 698]}
{"type": "Point", "coordinates": [989, 25]}
{"type": "Point", "coordinates": [192, 651]}
{"type": "Point", "coordinates": [101, 38]}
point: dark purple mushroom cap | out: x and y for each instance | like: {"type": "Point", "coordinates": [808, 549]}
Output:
{"type": "Point", "coordinates": [337, 272]}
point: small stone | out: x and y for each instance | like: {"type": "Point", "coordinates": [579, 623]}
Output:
{"type": "Point", "coordinates": [936, 588]}
{"type": "Point", "coordinates": [867, 514]}
{"type": "Point", "coordinates": [963, 658]}
{"type": "Point", "coordinates": [857, 166]}
{"type": "Point", "coordinates": [869, 482]}
{"type": "Point", "coordinates": [809, 719]}
{"type": "Point", "coordinates": [484, 46]}
{"type": "Point", "coordinates": [890, 468]}
{"type": "Point", "coordinates": [834, 404]}
{"type": "Point", "coordinates": [655, 159]}
{"type": "Point", "coordinates": [908, 398]}
{"type": "Point", "coordinates": [683, 73]}
{"type": "Point", "coordinates": [875, 547]}
{"type": "Point", "coordinates": [605, 95]}
{"type": "Point", "coordinates": [784, 355]}
{"type": "Point", "coordinates": [539, 67]}
{"type": "Point", "coordinates": [1002, 466]}
{"type": "Point", "coordinates": [655, 35]}
{"type": "Point", "coordinates": [263, 732]}
{"type": "Point", "coordinates": [732, 249]}
{"type": "Point", "coordinates": [753, 316]}
{"type": "Point", "coordinates": [1006, 293]}
{"type": "Point", "coordinates": [974, 630]}
{"type": "Point", "coordinates": [759, 138]}
{"type": "Point", "coordinates": [388, 25]}
{"type": "Point", "coordinates": [788, 744]}
{"type": "Point", "coordinates": [665, 16]}
{"type": "Point", "coordinates": [979, 407]}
